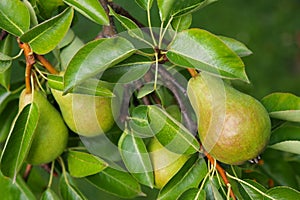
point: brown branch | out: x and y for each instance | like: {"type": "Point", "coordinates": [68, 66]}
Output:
{"type": "Point", "coordinates": [107, 30]}
{"type": "Point", "coordinates": [221, 172]}
{"type": "Point", "coordinates": [192, 72]}
{"type": "Point", "coordinates": [46, 64]}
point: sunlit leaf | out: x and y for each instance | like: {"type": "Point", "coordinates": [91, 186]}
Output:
{"type": "Point", "coordinates": [239, 48]}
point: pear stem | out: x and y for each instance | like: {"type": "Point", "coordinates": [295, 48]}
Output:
{"type": "Point", "coordinates": [192, 72]}
{"type": "Point", "coordinates": [46, 64]}
{"type": "Point", "coordinates": [222, 173]}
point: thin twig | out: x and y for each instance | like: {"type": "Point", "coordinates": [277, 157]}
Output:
{"type": "Point", "coordinates": [46, 64]}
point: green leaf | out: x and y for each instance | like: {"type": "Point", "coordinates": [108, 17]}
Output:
{"type": "Point", "coordinates": [212, 192]}
{"type": "Point", "coordinates": [5, 73]}
{"type": "Point", "coordinates": [193, 194]}
{"type": "Point", "coordinates": [33, 17]}
{"type": "Point", "coordinates": [189, 176]}
{"type": "Point", "coordinates": [139, 122]}
{"type": "Point", "coordinates": [284, 106]}
{"type": "Point", "coordinates": [68, 39]}
{"type": "Point", "coordinates": [82, 164]}
{"type": "Point", "coordinates": [283, 193]}
{"type": "Point", "coordinates": [145, 90]}
{"type": "Point", "coordinates": [49, 195]}
{"type": "Point", "coordinates": [180, 7]}
{"type": "Point", "coordinates": [252, 193]}
{"type": "Point", "coordinates": [13, 23]}
{"type": "Point", "coordinates": [68, 190]}
{"type": "Point", "coordinates": [144, 3]}
{"type": "Point", "coordinates": [132, 28]}
{"type": "Point", "coordinates": [6, 118]}
{"type": "Point", "coordinates": [136, 158]}
{"type": "Point", "coordinates": [170, 133]}
{"type": "Point", "coordinates": [116, 182]}
{"type": "Point", "coordinates": [239, 48]}
{"type": "Point", "coordinates": [94, 58]}
{"type": "Point", "coordinates": [91, 9]}
{"type": "Point", "coordinates": [182, 23]}
{"type": "Point", "coordinates": [286, 138]}
{"type": "Point", "coordinates": [52, 30]}
{"type": "Point", "coordinates": [21, 136]}
{"type": "Point", "coordinates": [199, 49]}
{"type": "Point", "coordinates": [46, 8]}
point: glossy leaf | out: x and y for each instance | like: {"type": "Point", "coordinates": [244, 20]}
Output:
{"type": "Point", "coordinates": [252, 192]}
{"type": "Point", "coordinates": [21, 136]}
{"type": "Point", "coordinates": [284, 106]}
{"type": "Point", "coordinates": [136, 158]}
{"type": "Point", "coordinates": [193, 194]}
{"type": "Point", "coordinates": [6, 118]}
{"type": "Point", "coordinates": [212, 192]}
{"type": "Point", "coordinates": [179, 7]}
{"type": "Point", "coordinates": [189, 176]}
{"type": "Point", "coordinates": [199, 49]}
{"type": "Point", "coordinates": [144, 3]}
{"type": "Point", "coordinates": [49, 195]}
{"type": "Point", "coordinates": [94, 58]}
{"type": "Point", "coordinates": [33, 17]}
{"type": "Point", "coordinates": [286, 138]}
{"type": "Point", "coordinates": [68, 190]}
{"type": "Point", "coordinates": [239, 48]}
{"type": "Point", "coordinates": [116, 182]}
{"type": "Point", "coordinates": [68, 39]}
{"type": "Point", "coordinates": [52, 30]}
{"type": "Point", "coordinates": [283, 193]}
{"type": "Point", "coordinates": [13, 23]}
{"type": "Point", "coordinates": [170, 133]}
{"type": "Point", "coordinates": [6, 97]}
{"type": "Point", "coordinates": [182, 23]}
{"type": "Point", "coordinates": [91, 9]}
{"type": "Point", "coordinates": [82, 164]}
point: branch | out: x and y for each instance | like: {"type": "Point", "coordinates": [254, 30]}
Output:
{"type": "Point", "coordinates": [46, 64]}
{"type": "Point", "coordinates": [110, 30]}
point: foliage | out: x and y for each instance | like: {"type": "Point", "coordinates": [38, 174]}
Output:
{"type": "Point", "coordinates": [144, 71]}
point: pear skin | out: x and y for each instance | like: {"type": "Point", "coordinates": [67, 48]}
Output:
{"type": "Point", "coordinates": [233, 127]}
{"type": "Point", "coordinates": [51, 134]}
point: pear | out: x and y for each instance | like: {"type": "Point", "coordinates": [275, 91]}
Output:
{"type": "Point", "coordinates": [233, 127]}
{"type": "Point", "coordinates": [86, 115]}
{"type": "Point", "coordinates": [165, 163]}
{"type": "Point", "coordinates": [51, 134]}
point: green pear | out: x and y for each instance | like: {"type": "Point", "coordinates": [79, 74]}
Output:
{"type": "Point", "coordinates": [165, 163]}
{"type": "Point", "coordinates": [51, 134]}
{"type": "Point", "coordinates": [86, 115]}
{"type": "Point", "coordinates": [233, 127]}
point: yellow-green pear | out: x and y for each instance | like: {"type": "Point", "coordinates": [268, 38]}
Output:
{"type": "Point", "coordinates": [86, 115]}
{"type": "Point", "coordinates": [233, 127]}
{"type": "Point", "coordinates": [165, 163]}
{"type": "Point", "coordinates": [51, 134]}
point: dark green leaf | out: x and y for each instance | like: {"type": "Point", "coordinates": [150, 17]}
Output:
{"type": "Point", "coordinates": [116, 182]}
{"type": "Point", "coordinates": [252, 191]}
{"type": "Point", "coordinates": [197, 48]}
{"type": "Point", "coordinates": [145, 90]}
{"type": "Point", "coordinates": [94, 58]}
{"type": "Point", "coordinates": [284, 106]}
{"type": "Point", "coordinates": [5, 73]}
{"type": "Point", "coordinates": [170, 133]}
{"type": "Point", "coordinates": [68, 189]}
{"type": "Point", "coordinates": [283, 193]}
{"type": "Point", "coordinates": [33, 17]}
{"type": "Point", "coordinates": [189, 176]}
{"type": "Point", "coordinates": [21, 136]}
{"type": "Point", "coordinates": [82, 164]}
{"type": "Point", "coordinates": [91, 9]}
{"type": "Point", "coordinates": [52, 30]}
{"type": "Point", "coordinates": [193, 194]}
{"type": "Point", "coordinates": [212, 192]}
{"type": "Point", "coordinates": [68, 39]}
{"type": "Point", "coordinates": [144, 3]}
{"type": "Point", "coordinates": [182, 23]}
{"type": "Point", "coordinates": [136, 158]}
{"type": "Point", "coordinates": [6, 119]}
{"type": "Point", "coordinates": [49, 195]}
{"type": "Point", "coordinates": [46, 8]}
{"type": "Point", "coordinates": [13, 23]}
{"type": "Point", "coordinates": [239, 48]}
{"type": "Point", "coordinates": [286, 138]}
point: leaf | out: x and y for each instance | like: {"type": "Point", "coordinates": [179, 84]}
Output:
{"type": "Point", "coordinates": [6, 97]}
{"type": "Point", "coordinates": [49, 195]}
{"type": "Point", "coordinates": [182, 23]}
{"type": "Point", "coordinates": [52, 30]}
{"type": "Point", "coordinates": [94, 58]}
{"type": "Point", "coordinates": [5, 73]}
{"type": "Point", "coordinates": [284, 106]}
{"type": "Point", "coordinates": [144, 3]}
{"type": "Point", "coordinates": [68, 39]}
{"type": "Point", "coordinates": [283, 193]}
{"type": "Point", "coordinates": [179, 7]}
{"type": "Point", "coordinates": [132, 28]}
{"type": "Point", "coordinates": [189, 176]}
{"type": "Point", "coordinates": [82, 164]}
{"type": "Point", "coordinates": [139, 122]}
{"type": "Point", "coordinates": [46, 8]}
{"type": "Point", "coordinates": [170, 133]}
{"type": "Point", "coordinates": [91, 9]}
{"type": "Point", "coordinates": [252, 193]}
{"type": "Point", "coordinates": [21, 136]}
{"type": "Point", "coordinates": [193, 194]}
{"type": "Point", "coordinates": [6, 118]}
{"type": "Point", "coordinates": [136, 158]}
{"type": "Point", "coordinates": [145, 90]}
{"type": "Point", "coordinates": [68, 189]}
{"type": "Point", "coordinates": [116, 182]}
{"type": "Point", "coordinates": [286, 138]}
{"type": "Point", "coordinates": [13, 23]}
{"type": "Point", "coordinates": [212, 192]}
{"type": "Point", "coordinates": [199, 49]}
{"type": "Point", "coordinates": [239, 48]}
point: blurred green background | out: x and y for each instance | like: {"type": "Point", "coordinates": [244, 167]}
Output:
{"type": "Point", "coordinates": [270, 28]}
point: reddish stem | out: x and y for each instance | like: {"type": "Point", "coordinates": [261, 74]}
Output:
{"type": "Point", "coordinates": [192, 72]}
{"type": "Point", "coordinates": [46, 64]}
{"type": "Point", "coordinates": [27, 172]}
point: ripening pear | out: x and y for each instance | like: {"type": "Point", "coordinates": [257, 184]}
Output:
{"type": "Point", "coordinates": [51, 134]}
{"type": "Point", "coordinates": [86, 115]}
{"type": "Point", "coordinates": [233, 127]}
{"type": "Point", "coordinates": [165, 163]}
